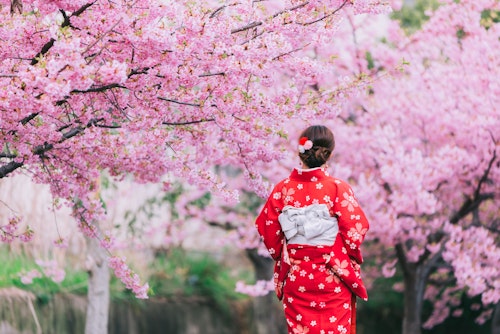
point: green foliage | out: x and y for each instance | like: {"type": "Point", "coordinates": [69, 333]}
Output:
{"type": "Point", "coordinates": [172, 273]}
{"type": "Point", "coordinates": [369, 59]}
{"type": "Point", "coordinates": [412, 17]}
{"type": "Point", "coordinates": [13, 265]}
{"type": "Point", "coordinates": [383, 313]}
{"type": "Point", "coordinates": [178, 272]}
{"type": "Point", "coordinates": [152, 206]}
{"type": "Point", "coordinates": [489, 18]}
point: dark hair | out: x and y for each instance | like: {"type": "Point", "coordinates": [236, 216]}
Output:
{"type": "Point", "coordinates": [323, 145]}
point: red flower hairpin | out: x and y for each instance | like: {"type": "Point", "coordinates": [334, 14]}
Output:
{"type": "Point", "coordinates": [304, 144]}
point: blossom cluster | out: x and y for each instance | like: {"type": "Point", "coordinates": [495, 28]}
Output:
{"type": "Point", "coordinates": [128, 277]}
{"type": "Point", "coordinates": [152, 88]}
{"type": "Point", "coordinates": [9, 232]}
{"type": "Point", "coordinates": [49, 269]}
{"type": "Point", "coordinates": [260, 288]}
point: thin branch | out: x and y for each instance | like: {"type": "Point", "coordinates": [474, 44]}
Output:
{"type": "Point", "coordinates": [101, 37]}
{"type": "Point", "coordinates": [327, 15]}
{"type": "Point", "coordinates": [28, 118]}
{"type": "Point", "coordinates": [99, 89]}
{"type": "Point", "coordinates": [211, 74]}
{"type": "Point", "coordinates": [83, 8]}
{"type": "Point", "coordinates": [470, 204]}
{"type": "Point", "coordinates": [105, 126]}
{"type": "Point", "coordinates": [252, 38]}
{"type": "Point", "coordinates": [484, 178]}
{"type": "Point", "coordinates": [259, 23]}
{"type": "Point", "coordinates": [180, 102]}
{"type": "Point", "coordinates": [290, 52]}
{"type": "Point", "coordinates": [8, 207]}
{"type": "Point", "coordinates": [247, 27]}
{"type": "Point", "coordinates": [203, 120]}
{"type": "Point", "coordinates": [40, 150]}
{"type": "Point", "coordinates": [65, 23]}
{"type": "Point", "coordinates": [300, 5]}
{"type": "Point", "coordinates": [217, 11]}
{"type": "Point", "coordinates": [44, 50]}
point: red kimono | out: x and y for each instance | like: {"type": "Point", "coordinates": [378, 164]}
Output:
{"type": "Point", "coordinates": [317, 283]}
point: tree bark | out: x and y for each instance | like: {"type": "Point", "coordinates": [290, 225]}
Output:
{"type": "Point", "coordinates": [96, 321]}
{"type": "Point", "coordinates": [413, 299]}
{"type": "Point", "coordinates": [495, 322]}
{"type": "Point", "coordinates": [268, 314]}
{"type": "Point", "coordinates": [415, 279]}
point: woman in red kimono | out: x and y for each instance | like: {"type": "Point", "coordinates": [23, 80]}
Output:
{"type": "Point", "coordinates": [313, 226]}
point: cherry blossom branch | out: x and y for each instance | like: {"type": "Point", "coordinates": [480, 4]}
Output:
{"type": "Point", "coordinates": [99, 89]}
{"type": "Point", "coordinates": [101, 37]}
{"type": "Point", "coordinates": [211, 74]}
{"type": "Point", "coordinates": [247, 27]}
{"type": "Point", "coordinates": [28, 118]}
{"type": "Point", "coordinates": [291, 9]}
{"type": "Point", "coordinates": [220, 9]}
{"type": "Point", "coordinates": [40, 150]}
{"type": "Point", "coordinates": [180, 102]}
{"type": "Point", "coordinates": [290, 52]}
{"type": "Point", "coordinates": [190, 122]}
{"type": "Point", "coordinates": [325, 16]}
{"type": "Point", "coordinates": [47, 46]}
{"type": "Point", "coordinates": [9, 168]}
{"type": "Point", "coordinates": [484, 177]}
{"type": "Point", "coordinates": [16, 4]}
{"type": "Point", "coordinates": [259, 23]}
{"type": "Point", "coordinates": [471, 204]}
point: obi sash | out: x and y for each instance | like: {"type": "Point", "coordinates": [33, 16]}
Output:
{"type": "Point", "coordinates": [309, 225]}
{"type": "Point", "coordinates": [311, 229]}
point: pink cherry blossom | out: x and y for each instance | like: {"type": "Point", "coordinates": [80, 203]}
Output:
{"type": "Point", "coordinates": [154, 90]}
{"type": "Point", "coordinates": [128, 277]}
{"type": "Point", "coordinates": [27, 278]}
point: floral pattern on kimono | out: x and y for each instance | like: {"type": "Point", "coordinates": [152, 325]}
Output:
{"type": "Point", "coordinates": [318, 283]}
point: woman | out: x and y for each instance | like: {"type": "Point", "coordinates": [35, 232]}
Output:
{"type": "Point", "coordinates": [313, 227]}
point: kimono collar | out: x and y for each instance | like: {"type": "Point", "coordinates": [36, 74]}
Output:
{"type": "Point", "coordinates": [311, 174]}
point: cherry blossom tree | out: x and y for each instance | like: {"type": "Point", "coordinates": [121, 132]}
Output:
{"type": "Point", "coordinates": [157, 89]}
{"type": "Point", "coordinates": [167, 90]}
{"type": "Point", "coordinates": [423, 149]}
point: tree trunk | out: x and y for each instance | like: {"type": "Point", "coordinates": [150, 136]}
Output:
{"type": "Point", "coordinates": [268, 313]}
{"type": "Point", "coordinates": [96, 321]}
{"type": "Point", "coordinates": [495, 322]}
{"type": "Point", "coordinates": [413, 298]}
{"type": "Point", "coordinates": [415, 279]}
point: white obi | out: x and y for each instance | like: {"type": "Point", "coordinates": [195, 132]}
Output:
{"type": "Point", "coordinates": [310, 225]}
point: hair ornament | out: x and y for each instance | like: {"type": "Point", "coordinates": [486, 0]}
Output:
{"type": "Point", "coordinates": [305, 144]}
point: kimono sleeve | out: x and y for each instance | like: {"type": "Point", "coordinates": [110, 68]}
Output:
{"type": "Point", "coordinates": [353, 224]}
{"type": "Point", "coordinates": [268, 225]}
